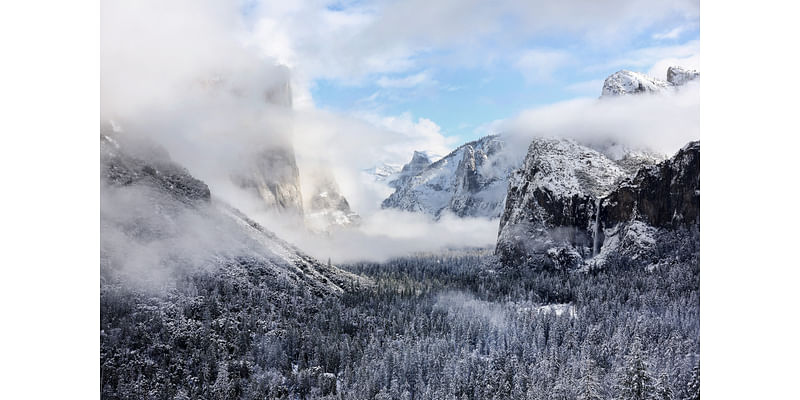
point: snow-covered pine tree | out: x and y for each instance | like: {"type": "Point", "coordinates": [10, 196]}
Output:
{"type": "Point", "coordinates": [663, 389]}
{"type": "Point", "coordinates": [589, 385]}
{"type": "Point", "coordinates": [635, 382]}
{"type": "Point", "coordinates": [693, 387]}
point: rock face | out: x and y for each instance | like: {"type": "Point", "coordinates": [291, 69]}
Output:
{"type": "Point", "coordinates": [666, 195]}
{"type": "Point", "coordinates": [570, 206]}
{"type": "Point", "coordinates": [274, 176]}
{"type": "Point", "coordinates": [552, 202]}
{"type": "Point", "coordinates": [159, 224]}
{"type": "Point", "coordinates": [626, 82]}
{"type": "Point", "coordinates": [328, 208]}
{"type": "Point", "coordinates": [470, 181]}
{"type": "Point", "coordinates": [679, 75]}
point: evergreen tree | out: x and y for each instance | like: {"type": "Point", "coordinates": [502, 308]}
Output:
{"type": "Point", "coordinates": [693, 387]}
{"type": "Point", "coordinates": [589, 385]}
{"type": "Point", "coordinates": [635, 382]}
{"type": "Point", "coordinates": [663, 389]}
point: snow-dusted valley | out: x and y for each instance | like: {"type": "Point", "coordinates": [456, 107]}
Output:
{"type": "Point", "coordinates": [588, 290]}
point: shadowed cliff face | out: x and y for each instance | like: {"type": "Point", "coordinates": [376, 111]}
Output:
{"type": "Point", "coordinates": [551, 216]}
{"type": "Point", "coordinates": [666, 195]}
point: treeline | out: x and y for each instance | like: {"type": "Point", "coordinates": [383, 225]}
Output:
{"type": "Point", "coordinates": [451, 326]}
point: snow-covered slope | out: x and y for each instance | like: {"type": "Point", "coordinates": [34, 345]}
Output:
{"type": "Point", "coordinates": [159, 224]}
{"type": "Point", "coordinates": [570, 206]}
{"type": "Point", "coordinates": [383, 172]}
{"type": "Point", "coordinates": [629, 82]}
{"type": "Point", "coordinates": [470, 181]}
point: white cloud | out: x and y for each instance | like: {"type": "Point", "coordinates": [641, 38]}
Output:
{"type": "Point", "coordinates": [392, 233]}
{"type": "Point", "coordinates": [348, 144]}
{"type": "Point", "coordinates": [662, 123]}
{"type": "Point", "coordinates": [383, 37]}
{"type": "Point", "coordinates": [673, 33]}
{"type": "Point", "coordinates": [409, 81]}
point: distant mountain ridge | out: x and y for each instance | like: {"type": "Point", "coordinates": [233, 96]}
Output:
{"type": "Point", "coordinates": [472, 180]}
{"type": "Point", "coordinates": [469, 182]}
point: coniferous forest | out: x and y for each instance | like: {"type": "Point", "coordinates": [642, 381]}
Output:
{"type": "Point", "coordinates": [453, 325]}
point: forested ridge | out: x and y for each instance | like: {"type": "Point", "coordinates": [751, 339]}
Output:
{"type": "Point", "coordinates": [454, 325]}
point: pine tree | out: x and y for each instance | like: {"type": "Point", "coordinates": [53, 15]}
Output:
{"type": "Point", "coordinates": [693, 387]}
{"type": "Point", "coordinates": [222, 385]}
{"type": "Point", "coordinates": [589, 385]}
{"type": "Point", "coordinates": [663, 389]}
{"type": "Point", "coordinates": [635, 382]}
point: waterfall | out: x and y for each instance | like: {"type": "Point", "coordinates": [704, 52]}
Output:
{"type": "Point", "coordinates": [596, 243]}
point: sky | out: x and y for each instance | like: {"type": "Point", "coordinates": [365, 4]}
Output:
{"type": "Point", "coordinates": [463, 65]}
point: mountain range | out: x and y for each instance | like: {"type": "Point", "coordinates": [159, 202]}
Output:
{"type": "Point", "coordinates": [472, 180]}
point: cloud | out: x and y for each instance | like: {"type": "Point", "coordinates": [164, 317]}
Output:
{"type": "Point", "coordinates": [662, 123]}
{"type": "Point", "coordinates": [405, 82]}
{"type": "Point", "coordinates": [348, 144]}
{"type": "Point", "coordinates": [387, 234]}
{"type": "Point", "coordinates": [363, 39]}
{"type": "Point", "coordinates": [193, 82]}
{"type": "Point", "coordinates": [673, 33]}
{"type": "Point", "coordinates": [538, 65]}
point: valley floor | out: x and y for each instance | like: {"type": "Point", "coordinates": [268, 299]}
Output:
{"type": "Point", "coordinates": [443, 326]}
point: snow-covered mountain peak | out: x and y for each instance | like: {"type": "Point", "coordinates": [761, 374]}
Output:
{"type": "Point", "coordinates": [567, 168]}
{"type": "Point", "coordinates": [628, 82]}
{"type": "Point", "coordinates": [470, 181]}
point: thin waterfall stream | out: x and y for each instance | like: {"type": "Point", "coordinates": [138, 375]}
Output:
{"type": "Point", "coordinates": [596, 242]}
